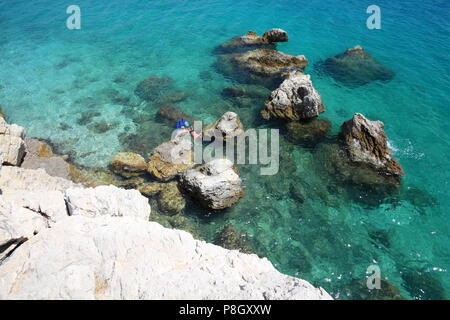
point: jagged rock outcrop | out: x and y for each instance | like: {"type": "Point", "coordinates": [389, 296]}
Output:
{"type": "Point", "coordinates": [128, 164]}
{"type": "Point", "coordinates": [215, 184]}
{"type": "Point", "coordinates": [295, 99]}
{"type": "Point", "coordinates": [122, 258]}
{"type": "Point", "coordinates": [110, 200]}
{"type": "Point", "coordinates": [227, 127]}
{"type": "Point", "coordinates": [366, 143]}
{"type": "Point", "coordinates": [355, 67]}
{"type": "Point", "coordinates": [170, 158]}
{"type": "Point", "coordinates": [12, 142]}
{"type": "Point", "coordinates": [252, 41]}
{"type": "Point", "coordinates": [276, 35]}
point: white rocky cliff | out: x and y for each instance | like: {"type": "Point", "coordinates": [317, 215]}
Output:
{"type": "Point", "coordinates": [59, 240]}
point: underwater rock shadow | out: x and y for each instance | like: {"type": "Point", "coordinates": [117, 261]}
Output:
{"type": "Point", "coordinates": [354, 68]}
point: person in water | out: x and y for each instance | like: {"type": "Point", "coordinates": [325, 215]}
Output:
{"type": "Point", "coordinates": [187, 128]}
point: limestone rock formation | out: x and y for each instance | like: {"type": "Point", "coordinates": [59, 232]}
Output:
{"type": "Point", "coordinates": [228, 126]}
{"type": "Point", "coordinates": [355, 67]}
{"type": "Point", "coordinates": [12, 142]}
{"type": "Point", "coordinates": [215, 184]}
{"type": "Point", "coordinates": [295, 99]}
{"type": "Point", "coordinates": [101, 246]}
{"type": "Point", "coordinates": [170, 158]}
{"type": "Point", "coordinates": [32, 180]}
{"type": "Point", "coordinates": [366, 143]}
{"type": "Point", "coordinates": [92, 202]}
{"type": "Point", "coordinates": [122, 258]}
{"type": "Point", "coordinates": [128, 164]}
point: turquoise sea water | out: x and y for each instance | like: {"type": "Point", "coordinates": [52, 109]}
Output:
{"type": "Point", "coordinates": [50, 75]}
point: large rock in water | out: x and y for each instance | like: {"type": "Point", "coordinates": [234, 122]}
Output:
{"type": "Point", "coordinates": [295, 99]}
{"type": "Point", "coordinates": [215, 184]}
{"type": "Point", "coordinates": [355, 67]}
{"type": "Point", "coordinates": [228, 126]}
{"type": "Point", "coordinates": [263, 66]}
{"type": "Point", "coordinates": [123, 258]}
{"type": "Point", "coordinates": [12, 143]}
{"type": "Point", "coordinates": [366, 143]}
{"type": "Point", "coordinates": [170, 159]}
{"type": "Point", "coordinates": [128, 164]}
{"type": "Point", "coordinates": [252, 41]}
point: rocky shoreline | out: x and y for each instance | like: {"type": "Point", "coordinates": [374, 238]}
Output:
{"type": "Point", "coordinates": [61, 240]}
{"type": "Point", "coordinates": [51, 210]}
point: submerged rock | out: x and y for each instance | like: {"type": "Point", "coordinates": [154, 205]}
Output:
{"type": "Point", "coordinates": [295, 99]}
{"type": "Point", "coordinates": [170, 200]}
{"type": "Point", "coordinates": [215, 184]}
{"type": "Point", "coordinates": [261, 66]}
{"type": "Point", "coordinates": [172, 114]}
{"type": "Point", "coordinates": [245, 90]}
{"type": "Point", "coordinates": [310, 131]}
{"type": "Point", "coordinates": [87, 117]}
{"type": "Point", "coordinates": [422, 285]}
{"type": "Point", "coordinates": [228, 126]}
{"type": "Point", "coordinates": [128, 164]}
{"type": "Point", "coordinates": [233, 239]}
{"type": "Point", "coordinates": [170, 159]}
{"type": "Point", "coordinates": [160, 90]}
{"type": "Point", "coordinates": [12, 143]}
{"type": "Point", "coordinates": [387, 291]}
{"type": "Point", "coordinates": [356, 67]}
{"type": "Point", "coordinates": [366, 143]}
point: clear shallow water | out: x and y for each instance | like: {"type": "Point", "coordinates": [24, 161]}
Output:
{"type": "Point", "coordinates": [49, 76]}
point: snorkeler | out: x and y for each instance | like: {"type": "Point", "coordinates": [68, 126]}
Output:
{"type": "Point", "coordinates": [187, 128]}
